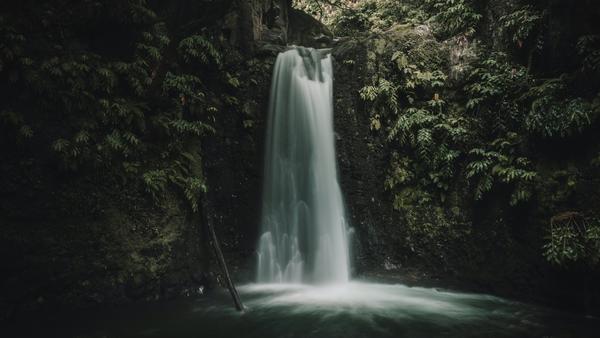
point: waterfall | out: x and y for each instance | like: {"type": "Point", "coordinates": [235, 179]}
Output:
{"type": "Point", "coordinates": [304, 231]}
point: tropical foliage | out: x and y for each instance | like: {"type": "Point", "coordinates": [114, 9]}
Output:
{"type": "Point", "coordinates": [573, 238]}
{"type": "Point", "coordinates": [134, 107]}
{"type": "Point", "coordinates": [473, 132]}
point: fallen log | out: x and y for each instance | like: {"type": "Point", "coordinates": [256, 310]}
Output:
{"type": "Point", "coordinates": [219, 255]}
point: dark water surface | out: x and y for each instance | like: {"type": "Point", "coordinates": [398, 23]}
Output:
{"type": "Point", "coordinates": [352, 310]}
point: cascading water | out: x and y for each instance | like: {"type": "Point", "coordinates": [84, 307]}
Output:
{"type": "Point", "coordinates": [304, 238]}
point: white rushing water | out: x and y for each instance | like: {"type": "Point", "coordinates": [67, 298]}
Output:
{"type": "Point", "coordinates": [304, 232]}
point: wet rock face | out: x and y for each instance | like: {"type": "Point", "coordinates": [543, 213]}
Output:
{"type": "Point", "coordinates": [258, 25]}
{"type": "Point", "coordinates": [361, 161]}
{"type": "Point", "coordinates": [270, 20]}
{"type": "Point", "coordinates": [250, 22]}
{"type": "Point", "coordinates": [305, 30]}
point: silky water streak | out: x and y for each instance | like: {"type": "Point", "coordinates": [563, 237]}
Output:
{"type": "Point", "coordinates": [304, 231]}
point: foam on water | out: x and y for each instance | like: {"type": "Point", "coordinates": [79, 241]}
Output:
{"type": "Point", "coordinates": [394, 299]}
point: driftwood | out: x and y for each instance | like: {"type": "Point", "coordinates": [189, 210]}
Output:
{"type": "Point", "coordinates": [219, 255]}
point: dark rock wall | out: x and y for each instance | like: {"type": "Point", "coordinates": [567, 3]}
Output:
{"type": "Point", "coordinates": [80, 241]}
{"type": "Point", "coordinates": [233, 162]}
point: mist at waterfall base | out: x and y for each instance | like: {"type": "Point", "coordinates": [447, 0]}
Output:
{"type": "Point", "coordinates": [303, 287]}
